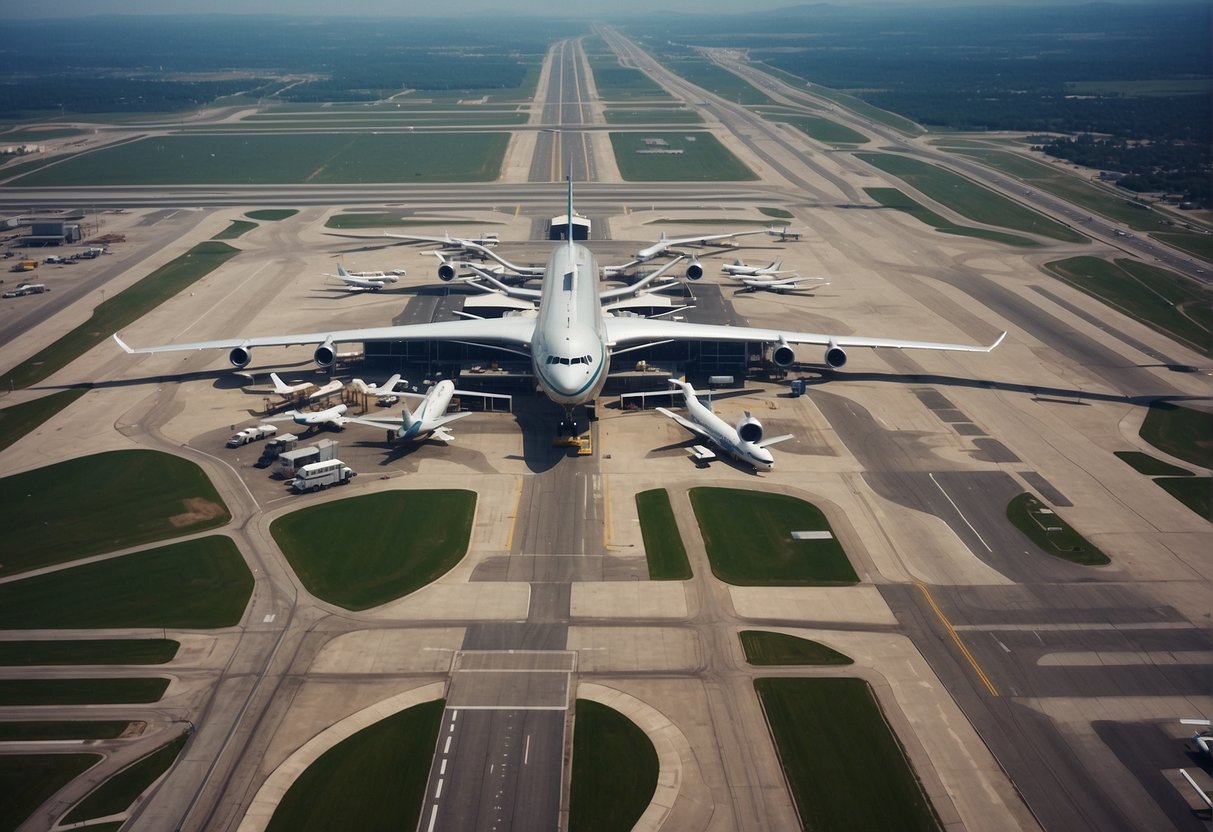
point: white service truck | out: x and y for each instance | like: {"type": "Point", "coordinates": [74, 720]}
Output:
{"type": "Point", "coordinates": [252, 435]}
{"type": "Point", "coordinates": [317, 475]}
{"type": "Point", "coordinates": [290, 462]}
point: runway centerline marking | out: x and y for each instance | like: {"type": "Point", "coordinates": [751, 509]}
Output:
{"type": "Point", "coordinates": [981, 674]}
{"type": "Point", "coordinates": [961, 513]}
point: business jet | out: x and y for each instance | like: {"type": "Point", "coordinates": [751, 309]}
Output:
{"type": "Point", "coordinates": [371, 281]}
{"type": "Point", "coordinates": [569, 340]}
{"type": "Point", "coordinates": [664, 244]}
{"type": "Point", "coordinates": [429, 419]}
{"type": "Point", "coordinates": [332, 417]}
{"type": "Point", "coordinates": [779, 285]}
{"type": "Point", "coordinates": [784, 234]}
{"type": "Point", "coordinates": [291, 391]}
{"type": "Point", "coordinates": [325, 390]}
{"type": "Point", "coordinates": [388, 387]}
{"type": "Point", "coordinates": [743, 442]}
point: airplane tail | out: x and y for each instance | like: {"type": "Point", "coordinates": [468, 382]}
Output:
{"type": "Point", "coordinates": [280, 387]}
{"type": "Point", "coordinates": [341, 272]}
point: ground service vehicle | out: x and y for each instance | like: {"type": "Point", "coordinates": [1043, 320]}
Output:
{"type": "Point", "coordinates": [317, 475]}
{"type": "Point", "coordinates": [289, 462]}
{"type": "Point", "coordinates": [252, 435]}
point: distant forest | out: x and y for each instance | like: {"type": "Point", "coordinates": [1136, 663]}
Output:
{"type": "Point", "coordinates": [1137, 75]}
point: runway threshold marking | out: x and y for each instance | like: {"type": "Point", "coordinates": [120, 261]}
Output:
{"type": "Point", "coordinates": [960, 645]}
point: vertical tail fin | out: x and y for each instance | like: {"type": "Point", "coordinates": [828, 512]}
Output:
{"type": "Point", "coordinates": [406, 417]}
{"type": "Point", "coordinates": [279, 386]}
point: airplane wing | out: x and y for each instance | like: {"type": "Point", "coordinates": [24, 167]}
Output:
{"type": "Point", "coordinates": [513, 330]}
{"type": "Point", "coordinates": [626, 331]}
{"type": "Point", "coordinates": [707, 238]}
{"type": "Point", "coordinates": [686, 423]}
{"type": "Point", "coordinates": [774, 440]}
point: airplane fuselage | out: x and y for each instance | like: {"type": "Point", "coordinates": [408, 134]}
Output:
{"type": "Point", "coordinates": [725, 436]}
{"type": "Point", "coordinates": [569, 356]}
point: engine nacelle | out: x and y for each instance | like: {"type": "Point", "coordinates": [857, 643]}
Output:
{"type": "Point", "coordinates": [836, 356]}
{"type": "Point", "coordinates": [782, 354]}
{"type": "Point", "coordinates": [695, 269]}
{"type": "Point", "coordinates": [325, 355]}
{"type": "Point", "coordinates": [749, 429]}
{"type": "Point", "coordinates": [240, 356]}
{"type": "Point", "coordinates": [446, 272]}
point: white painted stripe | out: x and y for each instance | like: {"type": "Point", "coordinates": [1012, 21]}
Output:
{"type": "Point", "coordinates": [433, 818]}
{"type": "Point", "coordinates": [526, 755]}
{"type": "Point", "coordinates": [961, 513]}
{"type": "Point", "coordinates": [442, 770]}
{"type": "Point", "coordinates": [438, 791]}
{"type": "Point", "coordinates": [515, 707]}
{"type": "Point", "coordinates": [447, 748]}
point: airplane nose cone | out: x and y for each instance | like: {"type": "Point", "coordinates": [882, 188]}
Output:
{"type": "Point", "coordinates": [568, 380]}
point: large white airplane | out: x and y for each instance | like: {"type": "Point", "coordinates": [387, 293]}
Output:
{"type": "Point", "coordinates": [429, 419]}
{"type": "Point", "coordinates": [569, 339]}
{"type": "Point", "coordinates": [738, 268]}
{"type": "Point", "coordinates": [291, 391]}
{"type": "Point", "coordinates": [387, 388]}
{"type": "Point", "coordinates": [373, 281]}
{"type": "Point", "coordinates": [743, 442]}
{"type": "Point", "coordinates": [664, 244]}
{"type": "Point", "coordinates": [779, 285]}
{"type": "Point", "coordinates": [333, 417]}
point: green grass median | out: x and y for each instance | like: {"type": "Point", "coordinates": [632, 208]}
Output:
{"type": "Point", "coordinates": [19, 419]}
{"type": "Point", "coordinates": [28, 780]}
{"type": "Point", "coordinates": [42, 730]}
{"type": "Point", "coordinates": [614, 770]}
{"type": "Point", "coordinates": [117, 793]}
{"type": "Point", "coordinates": [87, 651]}
{"type": "Point", "coordinates": [764, 648]}
{"type": "Point", "coordinates": [899, 201]}
{"type": "Point", "coordinates": [91, 691]}
{"type": "Point", "coordinates": [1050, 533]}
{"type": "Point", "coordinates": [1182, 432]}
{"type": "Point", "coordinates": [663, 548]}
{"type": "Point", "coordinates": [685, 157]}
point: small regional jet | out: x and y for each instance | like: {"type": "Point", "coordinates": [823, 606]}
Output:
{"type": "Point", "coordinates": [429, 419]}
{"type": "Point", "coordinates": [388, 388]}
{"type": "Point", "coordinates": [779, 285]}
{"type": "Point", "coordinates": [291, 391]}
{"type": "Point", "coordinates": [371, 281]}
{"type": "Point", "coordinates": [664, 244]}
{"type": "Point", "coordinates": [333, 417]}
{"type": "Point", "coordinates": [739, 269]}
{"type": "Point", "coordinates": [784, 234]}
{"type": "Point", "coordinates": [325, 390]}
{"type": "Point", "coordinates": [743, 442]}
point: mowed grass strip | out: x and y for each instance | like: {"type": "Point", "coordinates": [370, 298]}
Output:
{"type": "Point", "coordinates": [899, 201]}
{"type": "Point", "coordinates": [364, 551]}
{"type": "Point", "coordinates": [28, 780]}
{"type": "Point", "coordinates": [748, 536]}
{"type": "Point", "coordinates": [284, 159]}
{"type": "Point", "coordinates": [1151, 467]}
{"type": "Point", "coordinates": [88, 651]}
{"type": "Point", "coordinates": [766, 648]}
{"type": "Point", "coordinates": [614, 770]}
{"type": "Point", "coordinates": [846, 768]}
{"type": "Point", "coordinates": [967, 198]}
{"type": "Point", "coordinates": [271, 214]}
{"type": "Point", "coordinates": [652, 115]}
{"type": "Point", "coordinates": [20, 419]}
{"type": "Point", "coordinates": [94, 691]}
{"type": "Point", "coordinates": [100, 503]}
{"type": "Point", "coordinates": [114, 313]}
{"type": "Point", "coordinates": [663, 548]}
{"type": "Point", "coordinates": [703, 158]}
{"type": "Point", "coordinates": [1161, 299]}
{"type": "Point", "coordinates": [372, 781]}
{"type": "Point", "coordinates": [237, 228]}
{"type": "Point", "coordinates": [1050, 533]}
{"type": "Point", "coordinates": [32, 731]}
{"type": "Point", "coordinates": [821, 129]}
{"type": "Point", "coordinates": [1194, 492]}
{"type": "Point", "coordinates": [1182, 432]}
{"type": "Point", "coordinates": [196, 584]}
{"type": "Point", "coordinates": [118, 792]}
{"type": "Point", "coordinates": [623, 83]}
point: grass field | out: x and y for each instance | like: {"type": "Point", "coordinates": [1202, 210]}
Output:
{"type": "Point", "coordinates": [127, 689]}
{"type": "Point", "coordinates": [863, 108]}
{"type": "Point", "coordinates": [846, 768]}
{"type": "Point", "coordinates": [117, 499]}
{"type": "Point", "coordinates": [893, 198]}
{"type": "Point", "coordinates": [777, 213]}
{"type": "Point", "coordinates": [365, 551]}
{"type": "Point", "coordinates": [1199, 245]}
{"type": "Point", "coordinates": [710, 76]}
{"type": "Point", "coordinates": [87, 651]}
{"type": "Point", "coordinates": [748, 536]}
{"type": "Point", "coordinates": [1050, 533]}
{"type": "Point", "coordinates": [28, 780]}
{"type": "Point", "coordinates": [652, 115]}
{"type": "Point", "coordinates": [614, 770]}
{"type": "Point", "coordinates": [1151, 467]}
{"type": "Point", "coordinates": [620, 83]}
{"type": "Point", "coordinates": [663, 548]}
{"type": "Point", "coordinates": [61, 730]}
{"type": "Point", "coordinates": [118, 792]}
{"type": "Point", "coordinates": [703, 159]}
{"type": "Point", "coordinates": [199, 583]}
{"type": "Point", "coordinates": [271, 214]}
{"type": "Point", "coordinates": [112, 314]}
{"type": "Point", "coordinates": [1159, 298]}
{"type": "Point", "coordinates": [1182, 432]}
{"type": "Point", "coordinates": [288, 158]}
{"type": "Point", "coordinates": [1194, 492]}
{"type": "Point", "coordinates": [821, 129]}
{"type": "Point", "coordinates": [237, 228]}
{"type": "Point", "coordinates": [20, 419]}
{"type": "Point", "coordinates": [374, 781]}
{"type": "Point", "coordinates": [763, 648]}
{"type": "Point", "coordinates": [967, 198]}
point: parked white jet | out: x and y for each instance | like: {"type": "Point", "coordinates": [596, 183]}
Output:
{"type": "Point", "coordinates": [569, 341]}
{"type": "Point", "coordinates": [325, 390]}
{"type": "Point", "coordinates": [779, 285]}
{"type": "Point", "coordinates": [429, 419]}
{"type": "Point", "coordinates": [291, 391]}
{"type": "Point", "coordinates": [373, 281]}
{"type": "Point", "coordinates": [664, 244]}
{"type": "Point", "coordinates": [333, 417]}
{"type": "Point", "coordinates": [386, 389]}
{"type": "Point", "coordinates": [739, 269]}
{"type": "Point", "coordinates": [784, 233]}
{"type": "Point", "coordinates": [743, 442]}
{"type": "Point", "coordinates": [448, 271]}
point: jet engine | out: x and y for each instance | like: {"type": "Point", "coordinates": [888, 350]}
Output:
{"type": "Point", "coordinates": [446, 272]}
{"type": "Point", "coordinates": [240, 356]}
{"type": "Point", "coordinates": [325, 354]}
{"type": "Point", "coordinates": [782, 354]}
{"type": "Point", "coordinates": [835, 355]}
{"type": "Point", "coordinates": [695, 269]}
{"type": "Point", "coordinates": [749, 429]}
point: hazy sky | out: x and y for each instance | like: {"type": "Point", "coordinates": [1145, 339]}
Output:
{"type": "Point", "coordinates": [587, 8]}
